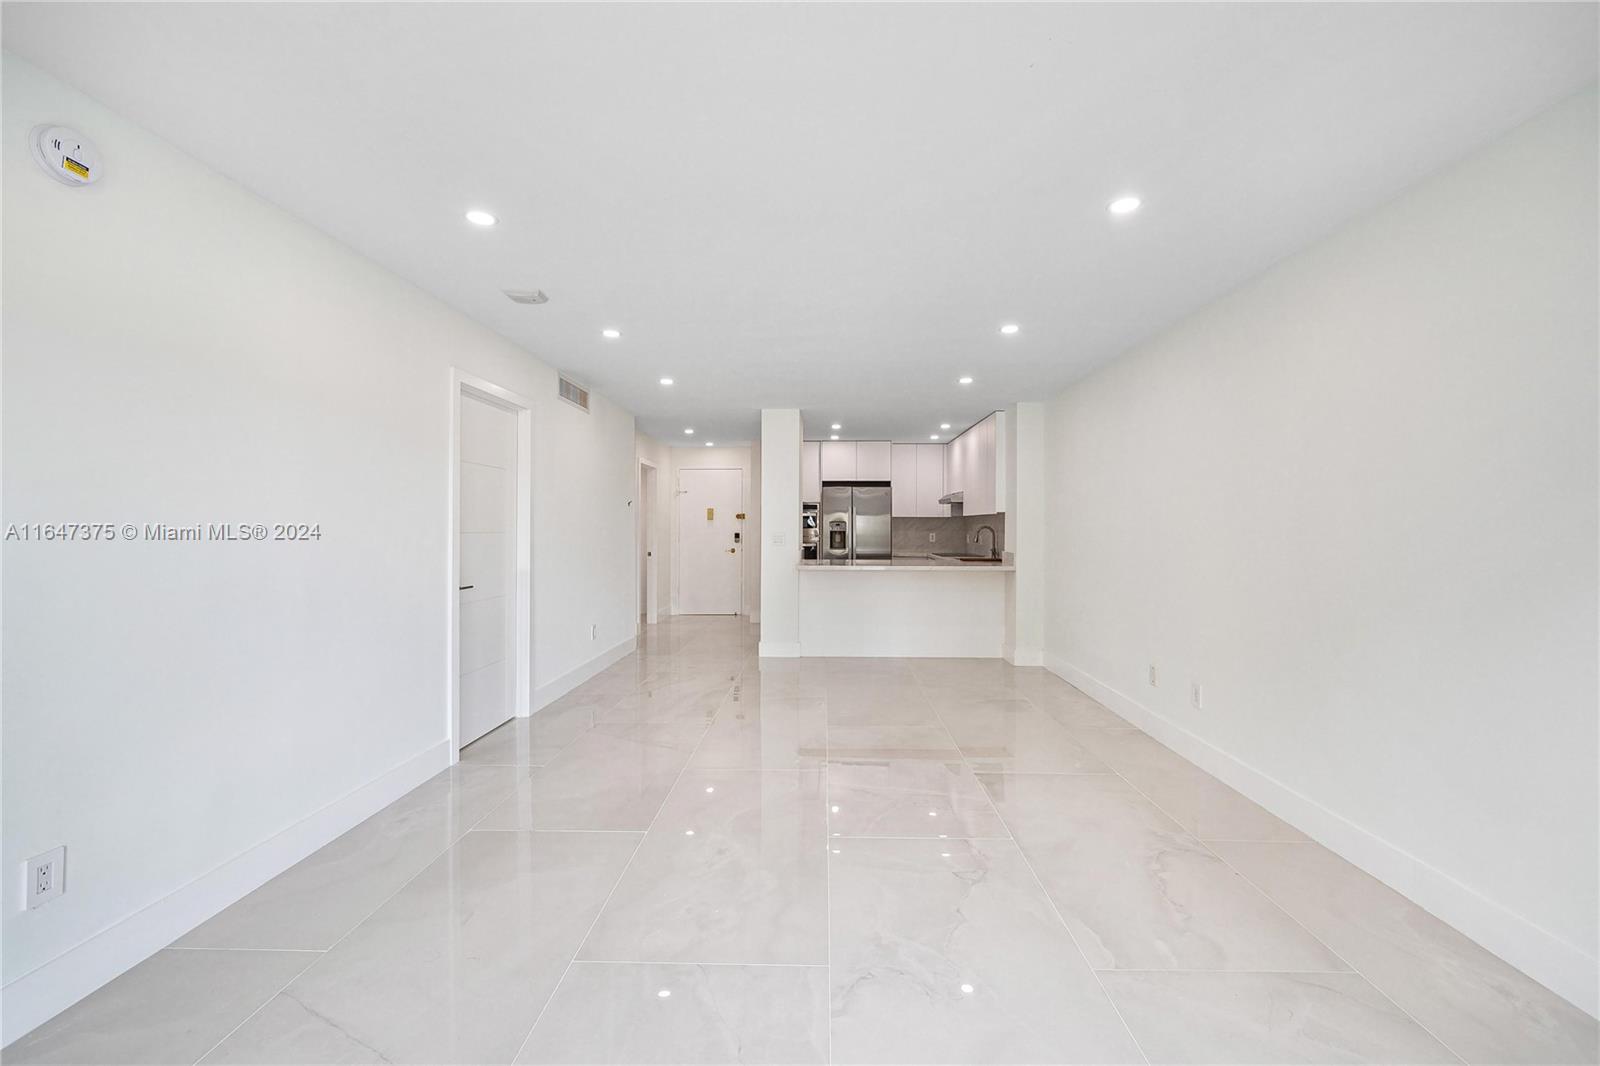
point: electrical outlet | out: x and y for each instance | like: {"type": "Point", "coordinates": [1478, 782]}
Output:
{"type": "Point", "coordinates": [594, 631]}
{"type": "Point", "coordinates": [1152, 675]}
{"type": "Point", "coordinates": [1197, 695]}
{"type": "Point", "coordinates": [932, 537]}
{"type": "Point", "coordinates": [46, 877]}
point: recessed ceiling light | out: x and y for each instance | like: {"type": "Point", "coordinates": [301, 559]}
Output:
{"type": "Point", "coordinates": [664, 993]}
{"type": "Point", "coordinates": [480, 218]}
{"type": "Point", "coordinates": [966, 990]}
{"type": "Point", "coordinates": [933, 436]}
{"type": "Point", "coordinates": [611, 334]}
{"type": "Point", "coordinates": [666, 381]}
{"type": "Point", "coordinates": [1124, 205]}
{"type": "Point", "coordinates": [1009, 328]}
{"type": "Point", "coordinates": [689, 432]}
{"type": "Point", "coordinates": [834, 437]}
{"type": "Point", "coordinates": [836, 426]}
{"type": "Point", "coordinates": [711, 444]}
{"type": "Point", "coordinates": [944, 425]}
{"type": "Point", "coordinates": [963, 381]}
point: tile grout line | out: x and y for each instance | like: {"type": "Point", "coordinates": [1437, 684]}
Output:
{"type": "Point", "coordinates": [827, 861]}
{"type": "Point", "coordinates": [1353, 968]}
{"type": "Point", "coordinates": [1039, 883]}
{"type": "Point", "coordinates": [349, 932]}
{"type": "Point", "coordinates": [1284, 911]}
{"type": "Point", "coordinates": [556, 988]}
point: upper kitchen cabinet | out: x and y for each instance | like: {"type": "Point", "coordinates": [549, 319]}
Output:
{"type": "Point", "coordinates": [874, 461]}
{"type": "Point", "coordinates": [904, 501]}
{"type": "Point", "coordinates": [930, 481]}
{"type": "Point", "coordinates": [851, 460]}
{"type": "Point", "coordinates": [975, 467]}
{"type": "Point", "coordinates": [811, 471]}
{"type": "Point", "coordinates": [918, 481]}
{"type": "Point", "coordinates": [838, 460]}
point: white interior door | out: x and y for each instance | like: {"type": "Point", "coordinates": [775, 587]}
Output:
{"type": "Point", "coordinates": [486, 545]}
{"type": "Point", "coordinates": [709, 558]}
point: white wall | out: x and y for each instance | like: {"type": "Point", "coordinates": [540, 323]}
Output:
{"type": "Point", "coordinates": [659, 455]}
{"type": "Point", "coordinates": [178, 351]}
{"type": "Point", "coordinates": [1356, 499]}
{"type": "Point", "coordinates": [780, 523]}
{"type": "Point", "coordinates": [735, 457]}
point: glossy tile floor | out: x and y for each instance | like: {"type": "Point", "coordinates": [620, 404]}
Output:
{"type": "Point", "coordinates": [698, 857]}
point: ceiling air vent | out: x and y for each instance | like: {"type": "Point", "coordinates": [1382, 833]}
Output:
{"type": "Point", "coordinates": [526, 296]}
{"type": "Point", "coordinates": [576, 395]}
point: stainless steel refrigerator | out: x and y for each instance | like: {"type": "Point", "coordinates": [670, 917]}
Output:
{"type": "Point", "coordinates": [855, 522]}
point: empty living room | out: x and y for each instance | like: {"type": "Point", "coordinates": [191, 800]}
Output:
{"type": "Point", "coordinates": [800, 533]}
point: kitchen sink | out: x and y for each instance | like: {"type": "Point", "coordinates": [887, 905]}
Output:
{"type": "Point", "coordinates": [966, 558]}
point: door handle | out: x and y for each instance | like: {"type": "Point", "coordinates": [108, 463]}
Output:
{"type": "Point", "coordinates": [464, 588]}
{"type": "Point", "coordinates": [732, 550]}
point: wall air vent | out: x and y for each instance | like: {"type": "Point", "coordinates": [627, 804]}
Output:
{"type": "Point", "coordinates": [576, 395]}
{"type": "Point", "coordinates": [526, 296]}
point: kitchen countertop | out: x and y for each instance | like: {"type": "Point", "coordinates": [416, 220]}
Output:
{"type": "Point", "coordinates": [911, 563]}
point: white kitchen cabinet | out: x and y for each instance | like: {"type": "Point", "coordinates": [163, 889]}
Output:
{"type": "Point", "coordinates": [974, 465]}
{"type": "Point", "coordinates": [952, 465]}
{"type": "Point", "coordinates": [930, 480]}
{"type": "Point", "coordinates": [874, 461]}
{"type": "Point", "coordinates": [905, 499]}
{"type": "Point", "coordinates": [838, 460]}
{"type": "Point", "coordinates": [811, 471]}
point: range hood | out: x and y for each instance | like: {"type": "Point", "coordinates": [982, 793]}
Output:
{"type": "Point", "coordinates": [950, 497]}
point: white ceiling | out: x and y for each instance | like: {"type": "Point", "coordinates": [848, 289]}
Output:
{"type": "Point", "coordinates": [825, 206]}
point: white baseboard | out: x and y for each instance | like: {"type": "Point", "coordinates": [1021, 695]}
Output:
{"type": "Point", "coordinates": [548, 693]}
{"type": "Point", "coordinates": [772, 649]}
{"type": "Point", "coordinates": [1562, 967]}
{"type": "Point", "coordinates": [41, 994]}
{"type": "Point", "coordinates": [1023, 656]}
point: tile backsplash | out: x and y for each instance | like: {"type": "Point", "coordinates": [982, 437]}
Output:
{"type": "Point", "coordinates": [951, 536]}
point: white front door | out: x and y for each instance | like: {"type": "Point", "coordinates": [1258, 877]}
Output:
{"type": "Point", "coordinates": [709, 557]}
{"type": "Point", "coordinates": [487, 524]}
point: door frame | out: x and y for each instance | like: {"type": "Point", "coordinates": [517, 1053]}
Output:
{"type": "Point", "coordinates": [463, 384]}
{"type": "Point", "coordinates": [677, 532]}
{"type": "Point", "coordinates": [647, 539]}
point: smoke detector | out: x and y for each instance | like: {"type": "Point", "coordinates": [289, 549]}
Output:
{"type": "Point", "coordinates": [526, 296]}
{"type": "Point", "coordinates": [65, 154]}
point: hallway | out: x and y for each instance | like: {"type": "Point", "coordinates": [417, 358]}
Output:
{"type": "Point", "coordinates": [699, 856]}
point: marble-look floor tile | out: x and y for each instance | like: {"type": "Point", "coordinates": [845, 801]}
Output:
{"type": "Point", "coordinates": [613, 777]}
{"type": "Point", "coordinates": [1483, 1009]}
{"type": "Point", "coordinates": [691, 700]}
{"type": "Point", "coordinates": [1268, 1018]}
{"type": "Point", "coordinates": [321, 898]}
{"type": "Point", "coordinates": [1012, 736]}
{"type": "Point", "coordinates": [170, 1008]}
{"type": "Point", "coordinates": [733, 870]}
{"type": "Point", "coordinates": [1193, 798]}
{"type": "Point", "coordinates": [877, 705]}
{"type": "Point", "coordinates": [1135, 889]}
{"type": "Point", "coordinates": [453, 969]}
{"type": "Point", "coordinates": [1073, 708]}
{"type": "Point", "coordinates": [607, 1012]}
{"type": "Point", "coordinates": [930, 742]}
{"type": "Point", "coordinates": [770, 733]}
{"type": "Point", "coordinates": [903, 797]}
{"type": "Point", "coordinates": [948, 951]}
{"type": "Point", "coordinates": [535, 740]}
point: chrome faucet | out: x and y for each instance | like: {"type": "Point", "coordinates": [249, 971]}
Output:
{"type": "Point", "coordinates": [994, 548]}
